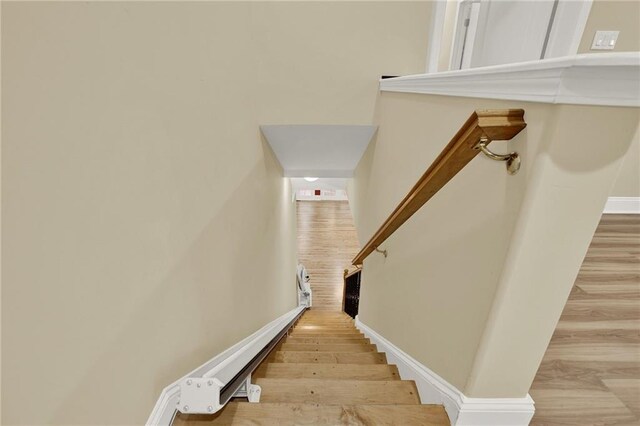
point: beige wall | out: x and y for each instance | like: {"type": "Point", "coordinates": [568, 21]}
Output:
{"type": "Point", "coordinates": [623, 16]}
{"type": "Point", "coordinates": [613, 15]}
{"type": "Point", "coordinates": [320, 62]}
{"type": "Point", "coordinates": [474, 282]}
{"type": "Point", "coordinates": [628, 182]}
{"type": "Point", "coordinates": [146, 225]}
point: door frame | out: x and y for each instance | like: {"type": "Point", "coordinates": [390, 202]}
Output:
{"type": "Point", "coordinates": [564, 32]}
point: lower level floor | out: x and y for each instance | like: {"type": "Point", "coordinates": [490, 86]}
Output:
{"type": "Point", "coordinates": [590, 374]}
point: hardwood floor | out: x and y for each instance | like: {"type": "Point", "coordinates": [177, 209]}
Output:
{"type": "Point", "coordinates": [590, 374]}
{"type": "Point", "coordinates": [327, 242]}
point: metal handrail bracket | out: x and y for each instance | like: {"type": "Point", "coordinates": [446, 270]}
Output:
{"type": "Point", "coordinates": [512, 159]}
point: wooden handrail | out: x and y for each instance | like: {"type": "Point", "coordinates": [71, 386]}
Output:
{"type": "Point", "coordinates": [492, 124]}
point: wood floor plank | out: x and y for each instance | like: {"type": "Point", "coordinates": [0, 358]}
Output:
{"type": "Point", "coordinates": [613, 324]}
{"type": "Point", "coordinates": [579, 407]}
{"type": "Point", "coordinates": [596, 309]}
{"type": "Point", "coordinates": [590, 373]}
{"type": "Point", "coordinates": [610, 352]}
{"type": "Point", "coordinates": [628, 391]}
{"type": "Point", "coordinates": [620, 289]}
{"type": "Point", "coordinates": [596, 335]}
{"type": "Point", "coordinates": [571, 374]}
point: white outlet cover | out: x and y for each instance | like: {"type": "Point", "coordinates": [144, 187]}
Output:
{"type": "Point", "coordinates": [605, 40]}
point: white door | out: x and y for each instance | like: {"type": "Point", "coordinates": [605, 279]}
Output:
{"type": "Point", "coordinates": [493, 32]}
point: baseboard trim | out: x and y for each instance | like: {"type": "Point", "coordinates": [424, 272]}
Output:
{"type": "Point", "coordinates": [433, 389]}
{"type": "Point", "coordinates": [622, 205]}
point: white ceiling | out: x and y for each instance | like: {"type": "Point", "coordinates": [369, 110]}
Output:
{"type": "Point", "coordinates": [318, 150]}
{"type": "Point", "coordinates": [334, 184]}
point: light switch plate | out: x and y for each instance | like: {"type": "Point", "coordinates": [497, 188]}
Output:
{"type": "Point", "coordinates": [605, 40]}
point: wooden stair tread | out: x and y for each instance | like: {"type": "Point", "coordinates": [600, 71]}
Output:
{"type": "Point", "coordinates": [325, 328]}
{"type": "Point", "coordinates": [328, 371]}
{"type": "Point", "coordinates": [322, 323]}
{"type": "Point", "coordinates": [321, 340]}
{"type": "Point", "coordinates": [335, 324]}
{"type": "Point", "coordinates": [287, 414]}
{"type": "Point", "coordinates": [329, 357]}
{"type": "Point", "coordinates": [329, 347]}
{"type": "Point", "coordinates": [326, 318]}
{"type": "Point", "coordinates": [326, 333]}
{"type": "Point", "coordinates": [319, 324]}
{"type": "Point", "coordinates": [334, 392]}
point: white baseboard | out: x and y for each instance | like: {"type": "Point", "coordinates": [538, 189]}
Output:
{"type": "Point", "coordinates": [461, 409]}
{"type": "Point", "coordinates": [622, 205]}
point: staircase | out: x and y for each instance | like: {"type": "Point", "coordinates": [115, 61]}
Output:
{"type": "Point", "coordinates": [326, 372]}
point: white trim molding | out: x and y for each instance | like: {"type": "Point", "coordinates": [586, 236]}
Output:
{"type": "Point", "coordinates": [610, 79]}
{"type": "Point", "coordinates": [622, 205]}
{"type": "Point", "coordinates": [221, 366]}
{"type": "Point", "coordinates": [433, 389]}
